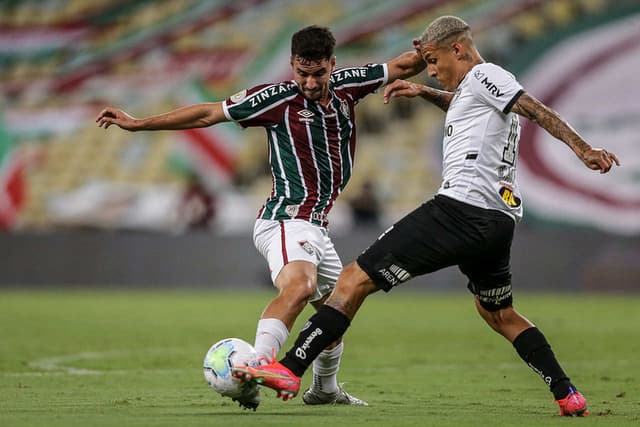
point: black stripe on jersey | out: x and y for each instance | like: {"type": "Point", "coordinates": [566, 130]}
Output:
{"type": "Point", "coordinates": [507, 109]}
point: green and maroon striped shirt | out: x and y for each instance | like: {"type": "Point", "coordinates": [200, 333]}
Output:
{"type": "Point", "coordinates": [311, 147]}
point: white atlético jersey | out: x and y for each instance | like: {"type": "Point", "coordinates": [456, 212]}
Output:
{"type": "Point", "coordinates": [480, 143]}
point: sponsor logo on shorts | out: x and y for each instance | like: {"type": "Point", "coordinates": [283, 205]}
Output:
{"type": "Point", "coordinates": [394, 275]}
{"type": "Point", "coordinates": [301, 351]}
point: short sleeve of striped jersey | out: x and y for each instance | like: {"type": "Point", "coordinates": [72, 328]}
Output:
{"type": "Point", "coordinates": [261, 105]}
{"type": "Point", "coordinates": [360, 81]}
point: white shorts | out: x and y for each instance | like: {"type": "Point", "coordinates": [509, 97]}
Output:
{"type": "Point", "coordinates": [281, 242]}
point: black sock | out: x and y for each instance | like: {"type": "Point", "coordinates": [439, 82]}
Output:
{"type": "Point", "coordinates": [534, 349]}
{"type": "Point", "coordinates": [323, 328]}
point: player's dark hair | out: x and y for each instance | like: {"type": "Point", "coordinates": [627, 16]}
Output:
{"type": "Point", "coordinates": [313, 43]}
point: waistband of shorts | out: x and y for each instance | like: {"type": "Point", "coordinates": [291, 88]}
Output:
{"type": "Point", "coordinates": [477, 210]}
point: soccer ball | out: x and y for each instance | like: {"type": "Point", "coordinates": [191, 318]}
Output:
{"type": "Point", "coordinates": [218, 362]}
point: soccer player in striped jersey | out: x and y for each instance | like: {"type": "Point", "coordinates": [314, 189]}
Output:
{"type": "Point", "coordinates": [469, 223]}
{"type": "Point", "coordinates": [311, 133]}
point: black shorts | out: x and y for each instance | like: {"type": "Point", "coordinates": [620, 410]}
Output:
{"type": "Point", "coordinates": [444, 232]}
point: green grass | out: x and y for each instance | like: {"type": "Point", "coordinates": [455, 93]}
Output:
{"type": "Point", "coordinates": [419, 359]}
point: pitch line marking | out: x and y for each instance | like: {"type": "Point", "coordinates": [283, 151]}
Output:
{"type": "Point", "coordinates": [63, 364]}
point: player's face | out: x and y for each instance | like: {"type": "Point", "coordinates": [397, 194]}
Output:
{"type": "Point", "coordinates": [312, 77]}
{"type": "Point", "coordinates": [442, 65]}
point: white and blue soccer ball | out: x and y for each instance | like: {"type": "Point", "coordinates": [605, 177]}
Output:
{"type": "Point", "coordinates": [220, 358]}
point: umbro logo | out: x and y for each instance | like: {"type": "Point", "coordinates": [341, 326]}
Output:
{"type": "Point", "coordinates": [306, 116]}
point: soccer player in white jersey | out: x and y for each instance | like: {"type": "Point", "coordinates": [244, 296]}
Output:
{"type": "Point", "coordinates": [469, 223]}
{"type": "Point", "coordinates": [310, 126]}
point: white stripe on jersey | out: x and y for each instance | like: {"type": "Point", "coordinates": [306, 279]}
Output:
{"type": "Point", "coordinates": [348, 142]}
{"type": "Point", "coordinates": [295, 154]}
{"type": "Point", "coordinates": [287, 193]}
{"type": "Point", "coordinates": [339, 130]}
{"type": "Point", "coordinates": [327, 150]}
{"type": "Point", "coordinates": [315, 161]}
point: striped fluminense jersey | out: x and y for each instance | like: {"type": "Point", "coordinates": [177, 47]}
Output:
{"type": "Point", "coordinates": [311, 147]}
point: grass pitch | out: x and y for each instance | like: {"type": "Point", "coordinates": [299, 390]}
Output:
{"type": "Point", "coordinates": [419, 359]}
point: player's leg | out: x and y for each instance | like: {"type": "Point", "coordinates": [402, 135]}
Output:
{"type": "Point", "coordinates": [293, 271]}
{"type": "Point", "coordinates": [490, 282]}
{"type": "Point", "coordinates": [411, 247]}
{"type": "Point", "coordinates": [296, 283]}
{"type": "Point", "coordinates": [402, 252]}
{"type": "Point", "coordinates": [292, 250]}
{"type": "Point", "coordinates": [323, 328]}
{"type": "Point", "coordinates": [330, 322]}
{"type": "Point", "coordinates": [325, 388]}
{"type": "Point", "coordinates": [532, 346]}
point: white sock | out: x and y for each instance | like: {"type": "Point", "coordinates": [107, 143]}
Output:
{"type": "Point", "coordinates": [325, 369]}
{"type": "Point", "coordinates": [270, 334]}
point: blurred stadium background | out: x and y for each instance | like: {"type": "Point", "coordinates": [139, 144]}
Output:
{"type": "Point", "coordinates": [80, 206]}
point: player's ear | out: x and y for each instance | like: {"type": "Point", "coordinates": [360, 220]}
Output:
{"type": "Point", "coordinates": [456, 48]}
{"type": "Point", "coordinates": [333, 61]}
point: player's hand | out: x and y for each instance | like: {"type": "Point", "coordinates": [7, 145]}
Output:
{"type": "Point", "coordinates": [114, 116]}
{"type": "Point", "coordinates": [416, 46]}
{"type": "Point", "coordinates": [401, 88]}
{"type": "Point", "coordinates": [599, 159]}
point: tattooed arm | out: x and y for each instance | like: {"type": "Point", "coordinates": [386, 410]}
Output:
{"type": "Point", "coordinates": [439, 98]}
{"type": "Point", "coordinates": [594, 158]}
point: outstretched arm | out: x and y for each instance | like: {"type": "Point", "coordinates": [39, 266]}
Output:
{"type": "Point", "coordinates": [440, 98]}
{"type": "Point", "coordinates": [192, 116]}
{"type": "Point", "coordinates": [593, 158]}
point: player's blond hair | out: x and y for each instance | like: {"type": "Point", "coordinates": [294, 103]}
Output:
{"type": "Point", "coordinates": [443, 29]}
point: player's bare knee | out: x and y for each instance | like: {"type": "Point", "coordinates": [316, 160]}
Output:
{"type": "Point", "coordinates": [297, 288]}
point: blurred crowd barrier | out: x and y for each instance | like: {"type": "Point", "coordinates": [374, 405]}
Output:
{"type": "Point", "coordinates": [543, 259]}
{"type": "Point", "coordinates": [62, 61]}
